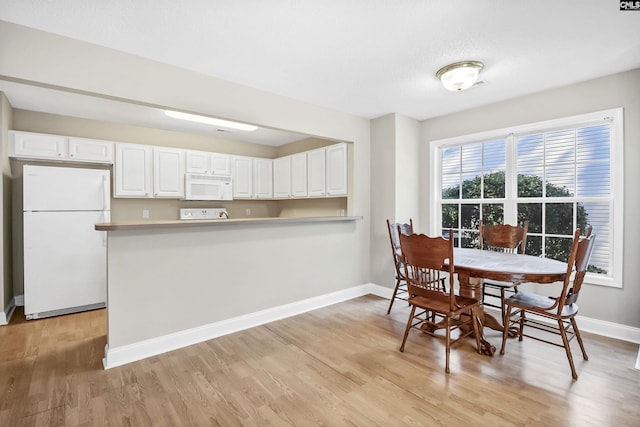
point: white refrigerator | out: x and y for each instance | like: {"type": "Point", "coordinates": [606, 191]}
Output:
{"type": "Point", "coordinates": [65, 258]}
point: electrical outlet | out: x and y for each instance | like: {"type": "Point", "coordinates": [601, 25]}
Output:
{"type": "Point", "coordinates": [295, 212]}
{"type": "Point", "coordinates": [248, 212]}
{"type": "Point", "coordinates": [145, 213]}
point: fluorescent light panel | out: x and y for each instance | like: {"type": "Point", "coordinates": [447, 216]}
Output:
{"type": "Point", "coordinates": [210, 121]}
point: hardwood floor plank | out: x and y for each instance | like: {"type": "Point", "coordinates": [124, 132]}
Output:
{"type": "Point", "coordinates": [339, 365]}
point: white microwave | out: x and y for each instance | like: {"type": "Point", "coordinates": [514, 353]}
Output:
{"type": "Point", "coordinates": [208, 187]}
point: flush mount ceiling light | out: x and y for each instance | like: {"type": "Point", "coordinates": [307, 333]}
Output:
{"type": "Point", "coordinates": [460, 75]}
{"type": "Point", "coordinates": [210, 121]}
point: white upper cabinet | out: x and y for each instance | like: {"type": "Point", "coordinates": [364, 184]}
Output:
{"type": "Point", "coordinates": [263, 172]}
{"type": "Point", "coordinates": [242, 172]}
{"type": "Point", "coordinates": [38, 145]}
{"type": "Point", "coordinates": [316, 172]}
{"type": "Point", "coordinates": [299, 175]}
{"type": "Point", "coordinates": [90, 150]}
{"type": "Point", "coordinates": [282, 177]}
{"type": "Point", "coordinates": [132, 170]}
{"type": "Point", "coordinates": [208, 163]}
{"type": "Point", "coordinates": [197, 161]}
{"type": "Point", "coordinates": [336, 170]}
{"type": "Point", "coordinates": [42, 146]}
{"type": "Point", "coordinates": [322, 172]}
{"type": "Point", "coordinates": [168, 172]}
{"type": "Point", "coordinates": [252, 177]}
{"type": "Point", "coordinates": [220, 164]}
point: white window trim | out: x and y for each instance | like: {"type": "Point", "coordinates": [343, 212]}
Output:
{"type": "Point", "coordinates": [617, 172]}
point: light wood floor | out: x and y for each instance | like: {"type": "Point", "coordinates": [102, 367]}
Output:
{"type": "Point", "coordinates": [336, 366]}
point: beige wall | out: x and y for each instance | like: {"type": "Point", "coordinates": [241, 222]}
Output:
{"type": "Point", "coordinates": [619, 90]}
{"type": "Point", "coordinates": [6, 259]}
{"type": "Point", "coordinates": [395, 190]}
{"type": "Point", "coordinates": [302, 145]}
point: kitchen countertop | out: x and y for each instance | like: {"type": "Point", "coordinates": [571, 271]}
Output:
{"type": "Point", "coordinates": [146, 225]}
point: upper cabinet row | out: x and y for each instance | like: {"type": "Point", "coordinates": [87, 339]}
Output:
{"type": "Point", "coordinates": [316, 173]}
{"type": "Point", "coordinates": [60, 148]}
{"type": "Point", "coordinates": [141, 171]}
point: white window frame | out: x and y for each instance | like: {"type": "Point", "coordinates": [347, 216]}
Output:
{"type": "Point", "coordinates": [617, 178]}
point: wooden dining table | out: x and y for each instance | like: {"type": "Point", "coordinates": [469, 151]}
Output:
{"type": "Point", "coordinates": [474, 265]}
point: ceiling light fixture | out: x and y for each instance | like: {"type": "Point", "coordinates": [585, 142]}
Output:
{"type": "Point", "coordinates": [210, 121]}
{"type": "Point", "coordinates": [460, 75]}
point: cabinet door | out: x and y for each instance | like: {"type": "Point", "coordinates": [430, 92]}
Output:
{"type": "Point", "coordinates": [132, 171]}
{"type": "Point", "coordinates": [337, 170]}
{"type": "Point", "coordinates": [168, 172]}
{"type": "Point", "coordinates": [220, 164]}
{"type": "Point", "coordinates": [242, 177]}
{"type": "Point", "coordinates": [39, 145]}
{"type": "Point", "coordinates": [263, 169]}
{"type": "Point", "coordinates": [299, 175]}
{"type": "Point", "coordinates": [90, 150]}
{"type": "Point", "coordinates": [197, 161]}
{"type": "Point", "coordinates": [316, 172]}
{"type": "Point", "coordinates": [282, 178]}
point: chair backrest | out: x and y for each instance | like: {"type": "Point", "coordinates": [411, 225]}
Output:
{"type": "Point", "coordinates": [579, 257]}
{"type": "Point", "coordinates": [583, 255]}
{"type": "Point", "coordinates": [425, 259]}
{"type": "Point", "coordinates": [504, 237]}
{"type": "Point", "coordinates": [394, 237]}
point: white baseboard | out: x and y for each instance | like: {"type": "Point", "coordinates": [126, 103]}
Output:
{"type": "Point", "coordinates": [133, 352]}
{"type": "Point", "coordinates": [5, 316]}
{"type": "Point", "coordinates": [609, 329]}
{"type": "Point", "coordinates": [152, 347]}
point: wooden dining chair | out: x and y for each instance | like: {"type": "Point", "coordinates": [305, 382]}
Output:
{"type": "Point", "coordinates": [395, 229]}
{"type": "Point", "coordinates": [560, 309]}
{"type": "Point", "coordinates": [504, 238]}
{"type": "Point", "coordinates": [426, 261]}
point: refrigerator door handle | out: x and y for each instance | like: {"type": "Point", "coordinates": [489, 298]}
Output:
{"type": "Point", "coordinates": [105, 193]}
{"type": "Point", "coordinates": [106, 217]}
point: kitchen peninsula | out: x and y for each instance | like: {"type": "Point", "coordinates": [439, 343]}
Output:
{"type": "Point", "coordinates": [176, 283]}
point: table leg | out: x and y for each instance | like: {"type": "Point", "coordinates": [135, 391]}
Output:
{"type": "Point", "coordinates": [472, 287]}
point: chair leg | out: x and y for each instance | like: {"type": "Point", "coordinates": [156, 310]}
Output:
{"type": "Point", "coordinates": [502, 301]}
{"type": "Point", "coordinates": [393, 297]}
{"type": "Point", "coordinates": [448, 325]}
{"type": "Point", "coordinates": [505, 330]}
{"type": "Point", "coordinates": [577, 332]}
{"type": "Point", "coordinates": [520, 334]}
{"type": "Point", "coordinates": [406, 331]}
{"type": "Point", "coordinates": [567, 349]}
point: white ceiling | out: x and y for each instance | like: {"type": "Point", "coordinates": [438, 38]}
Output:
{"type": "Point", "coordinates": [364, 57]}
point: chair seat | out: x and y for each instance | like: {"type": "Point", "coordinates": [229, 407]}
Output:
{"type": "Point", "coordinates": [540, 303]}
{"type": "Point", "coordinates": [440, 302]}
